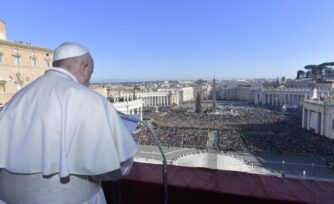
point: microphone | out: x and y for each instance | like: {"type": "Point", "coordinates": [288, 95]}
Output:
{"type": "Point", "coordinates": [131, 123]}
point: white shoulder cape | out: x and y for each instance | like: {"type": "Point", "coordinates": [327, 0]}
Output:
{"type": "Point", "coordinates": [56, 125]}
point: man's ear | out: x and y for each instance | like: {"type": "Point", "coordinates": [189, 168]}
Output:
{"type": "Point", "coordinates": [83, 69]}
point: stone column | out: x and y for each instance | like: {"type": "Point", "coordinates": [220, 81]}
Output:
{"type": "Point", "coordinates": [274, 99]}
{"type": "Point", "coordinates": [282, 100]}
{"type": "Point", "coordinates": [322, 122]}
{"type": "Point", "coordinates": [317, 128]}
{"type": "Point", "coordinates": [328, 126]}
{"type": "Point", "coordinates": [308, 115]}
{"type": "Point", "coordinates": [303, 118]}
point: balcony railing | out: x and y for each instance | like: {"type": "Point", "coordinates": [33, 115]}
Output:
{"type": "Point", "coordinates": [201, 185]}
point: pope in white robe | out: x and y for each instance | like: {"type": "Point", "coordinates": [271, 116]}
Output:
{"type": "Point", "coordinates": [59, 139]}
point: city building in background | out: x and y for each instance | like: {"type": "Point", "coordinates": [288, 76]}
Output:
{"type": "Point", "coordinates": [20, 64]}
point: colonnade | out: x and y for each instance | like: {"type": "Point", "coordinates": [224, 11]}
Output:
{"type": "Point", "coordinates": [279, 99]}
{"type": "Point", "coordinates": [156, 100]}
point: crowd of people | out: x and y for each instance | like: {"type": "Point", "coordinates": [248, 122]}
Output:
{"type": "Point", "coordinates": [176, 137]}
{"type": "Point", "coordinates": [248, 128]}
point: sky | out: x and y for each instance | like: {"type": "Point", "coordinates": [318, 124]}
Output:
{"type": "Point", "coordinates": [182, 39]}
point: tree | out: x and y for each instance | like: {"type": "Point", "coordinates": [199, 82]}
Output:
{"type": "Point", "coordinates": [325, 68]}
{"type": "Point", "coordinates": [198, 104]}
{"type": "Point", "coordinates": [329, 72]}
{"type": "Point", "coordinates": [313, 68]}
{"type": "Point", "coordinates": [318, 70]}
{"type": "Point", "coordinates": [300, 72]}
{"type": "Point", "coordinates": [308, 74]}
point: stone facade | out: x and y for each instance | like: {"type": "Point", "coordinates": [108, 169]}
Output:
{"type": "Point", "coordinates": [20, 64]}
{"type": "Point", "coordinates": [187, 94]}
{"type": "Point", "coordinates": [100, 89]}
{"type": "Point", "coordinates": [202, 89]}
{"type": "Point", "coordinates": [318, 115]}
{"type": "Point", "coordinates": [3, 30]}
{"type": "Point", "coordinates": [130, 107]}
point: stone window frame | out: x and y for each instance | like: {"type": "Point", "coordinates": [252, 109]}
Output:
{"type": "Point", "coordinates": [18, 56]}
{"type": "Point", "coordinates": [2, 58]}
{"type": "Point", "coordinates": [48, 62]}
{"type": "Point", "coordinates": [3, 84]}
{"type": "Point", "coordinates": [33, 60]}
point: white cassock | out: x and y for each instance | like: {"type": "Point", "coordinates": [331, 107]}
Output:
{"type": "Point", "coordinates": [57, 128]}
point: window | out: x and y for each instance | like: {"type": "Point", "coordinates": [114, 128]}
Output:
{"type": "Point", "coordinates": [2, 88]}
{"type": "Point", "coordinates": [47, 62]}
{"type": "Point", "coordinates": [17, 59]}
{"type": "Point", "coordinates": [1, 58]}
{"type": "Point", "coordinates": [33, 62]}
{"type": "Point", "coordinates": [332, 123]}
{"type": "Point", "coordinates": [33, 59]}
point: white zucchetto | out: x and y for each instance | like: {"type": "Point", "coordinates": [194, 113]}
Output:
{"type": "Point", "coordinates": [69, 50]}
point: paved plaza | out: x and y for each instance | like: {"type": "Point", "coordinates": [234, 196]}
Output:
{"type": "Point", "coordinates": [291, 166]}
{"type": "Point", "coordinates": [238, 137]}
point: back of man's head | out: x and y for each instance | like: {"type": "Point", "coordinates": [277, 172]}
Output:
{"type": "Point", "coordinates": [68, 50]}
{"type": "Point", "coordinates": [76, 59]}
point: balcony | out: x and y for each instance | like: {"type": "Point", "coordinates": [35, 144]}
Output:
{"type": "Point", "coordinates": [201, 185]}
